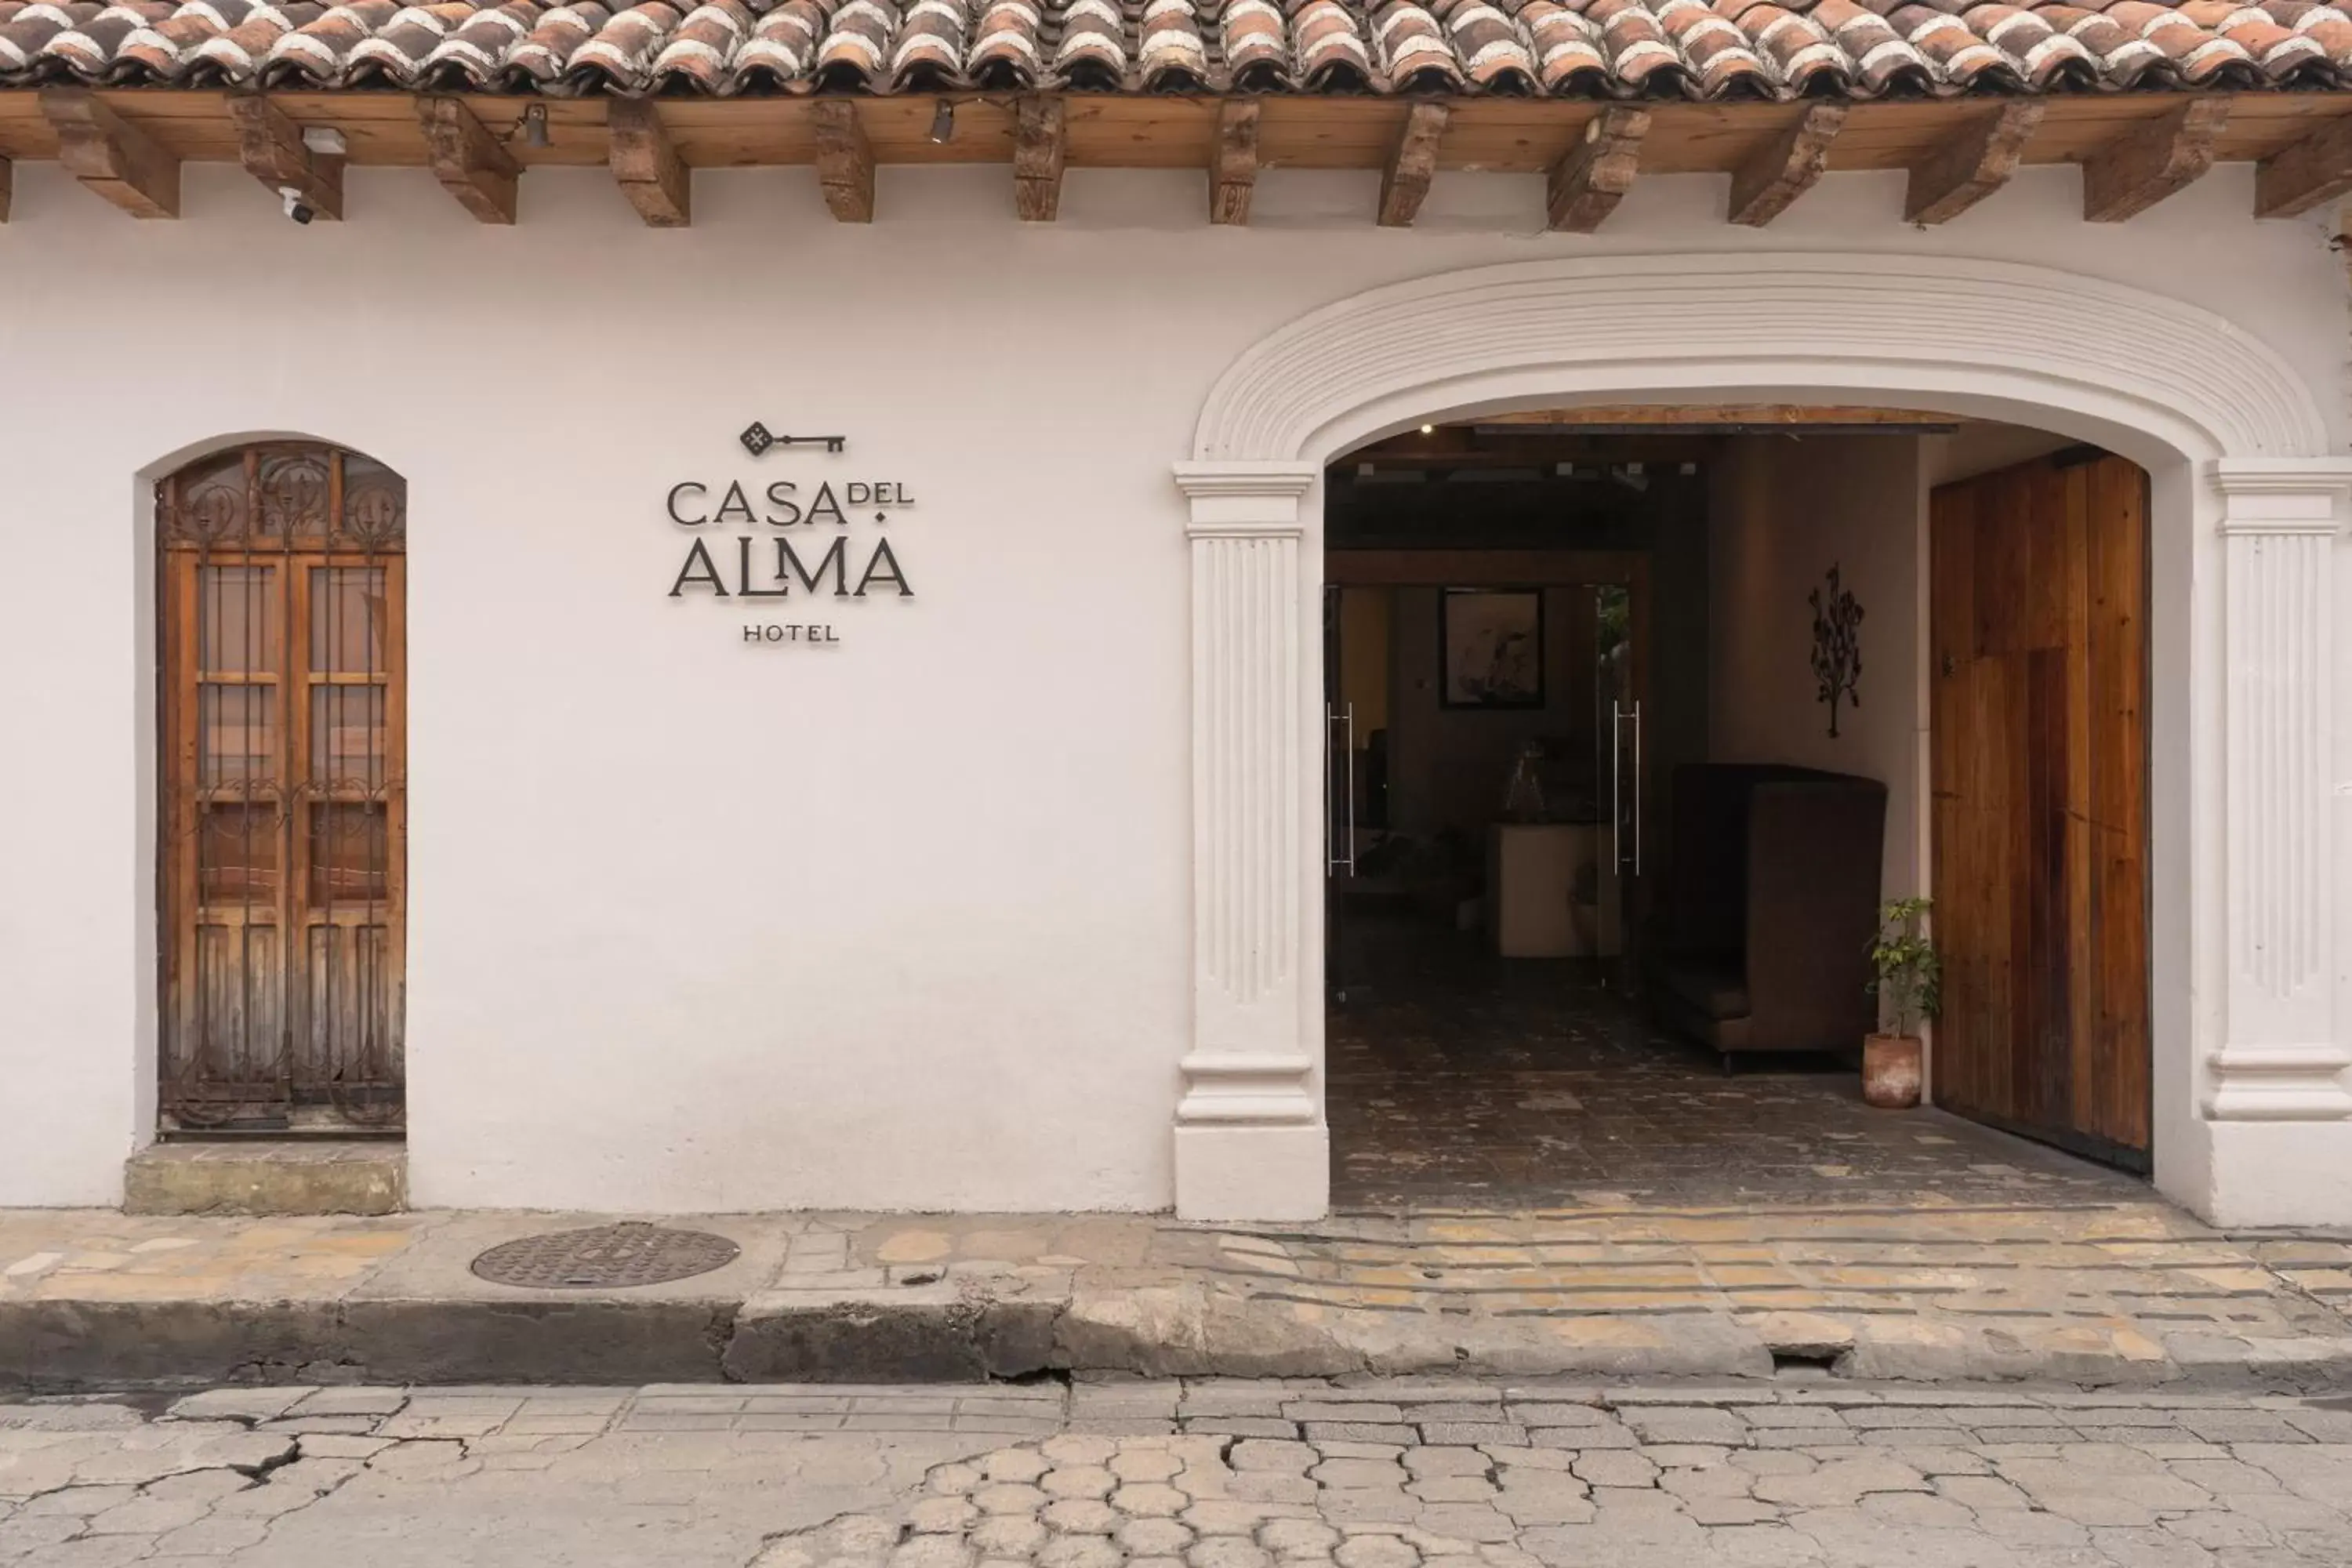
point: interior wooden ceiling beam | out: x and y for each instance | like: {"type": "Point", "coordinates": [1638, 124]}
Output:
{"type": "Point", "coordinates": [1041, 147]}
{"type": "Point", "coordinates": [110, 155]}
{"type": "Point", "coordinates": [1413, 163]}
{"type": "Point", "coordinates": [270, 147]}
{"type": "Point", "coordinates": [1585, 186]}
{"type": "Point", "coordinates": [1965, 170]}
{"type": "Point", "coordinates": [844, 159]}
{"type": "Point", "coordinates": [2152, 161]}
{"type": "Point", "coordinates": [472, 164]}
{"type": "Point", "coordinates": [1233, 165]}
{"type": "Point", "coordinates": [2306, 173]}
{"type": "Point", "coordinates": [646, 164]}
{"type": "Point", "coordinates": [1786, 167]}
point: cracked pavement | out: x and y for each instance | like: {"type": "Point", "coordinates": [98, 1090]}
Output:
{"type": "Point", "coordinates": [1209, 1473]}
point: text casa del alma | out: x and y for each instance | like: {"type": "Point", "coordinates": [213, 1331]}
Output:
{"type": "Point", "coordinates": [769, 549]}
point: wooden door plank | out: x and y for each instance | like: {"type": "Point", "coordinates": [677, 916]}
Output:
{"type": "Point", "coordinates": [2043, 977]}
{"type": "Point", "coordinates": [1947, 1057]}
{"type": "Point", "coordinates": [395, 811]}
{"type": "Point", "coordinates": [2026, 827]}
{"type": "Point", "coordinates": [2117, 661]}
{"type": "Point", "coordinates": [291, 693]}
{"type": "Point", "coordinates": [1960, 1046]}
{"type": "Point", "coordinates": [180, 847]}
{"type": "Point", "coordinates": [2083, 1086]}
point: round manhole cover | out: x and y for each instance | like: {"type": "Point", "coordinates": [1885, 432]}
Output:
{"type": "Point", "coordinates": [607, 1256]}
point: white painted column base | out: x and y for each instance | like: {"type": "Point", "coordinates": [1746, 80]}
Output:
{"type": "Point", "coordinates": [1253, 1172]}
{"type": "Point", "coordinates": [2280, 1173]}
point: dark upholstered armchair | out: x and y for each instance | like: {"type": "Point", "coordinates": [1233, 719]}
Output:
{"type": "Point", "coordinates": [1762, 940]}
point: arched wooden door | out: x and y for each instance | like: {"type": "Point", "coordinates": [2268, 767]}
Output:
{"type": "Point", "coordinates": [283, 703]}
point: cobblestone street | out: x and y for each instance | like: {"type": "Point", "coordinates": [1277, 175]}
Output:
{"type": "Point", "coordinates": [1161, 1475]}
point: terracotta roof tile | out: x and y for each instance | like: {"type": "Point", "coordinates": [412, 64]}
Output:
{"type": "Point", "coordinates": [1587, 48]}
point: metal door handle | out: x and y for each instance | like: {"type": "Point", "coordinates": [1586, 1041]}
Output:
{"type": "Point", "coordinates": [1333, 821]}
{"type": "Point", "coordinates": [1350, 722]}
{"type": "Point", "coordinates": [1616, 781]}
{"type": "Point", "coordinates": [1618, 719]}
{"type": "Point", "coordinates": [1637, 789]}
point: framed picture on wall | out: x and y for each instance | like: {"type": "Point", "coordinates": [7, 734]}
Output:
{"type": "Point", "coordinates": [1490, 646]}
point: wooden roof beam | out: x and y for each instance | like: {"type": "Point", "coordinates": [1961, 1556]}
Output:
{"type": "Point", "coordinates": [1413, 163]}
{"type": "Point", "coordinates": [1233, 161]}
{"type": "Point", "coordinates": [844, 159]}
{"type": "Point", "coordinates": [646, 164]}
{"type": "Point", "coordinates": [2152, 161]}
{"type": "Point", "coordinates": [1041, 147]}
{"type": "Point", "coordinates": [2306, 173]}
{"type": "Point", "coordinates": [471, 165]}
{"type": "Point", "coordinates": [271, 148]}
{"type": "Point", "coordinates": [110, 155]}
{"type": "Point", "coordinates": [1786, 167]}
{"type": "Point", "coordinates": [1585, 186]}
{"type": "Point", "coordinates": [1961, 172]}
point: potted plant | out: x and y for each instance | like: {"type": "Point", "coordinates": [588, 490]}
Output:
{"type": "Point", "coordinates": [1910, 982]}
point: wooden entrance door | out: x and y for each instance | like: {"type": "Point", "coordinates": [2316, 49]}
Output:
{"type": "Point", "coordinates": [2040, 741]}
{"type": "Point", "coordinates": [283, 705]}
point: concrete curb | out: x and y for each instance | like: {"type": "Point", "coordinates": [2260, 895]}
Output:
{"type": "Point", "coordinates": [954, 1333]}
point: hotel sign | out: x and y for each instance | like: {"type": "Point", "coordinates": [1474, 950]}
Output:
{"type": "Point", "coordinates": [757, 540]}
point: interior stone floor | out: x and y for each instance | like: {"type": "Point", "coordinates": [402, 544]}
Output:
{"type": "Point", "coordinates": [1459, 1079]}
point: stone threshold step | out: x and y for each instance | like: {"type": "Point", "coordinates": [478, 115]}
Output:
{"type": "Point", "coordinates": [267, 1176]}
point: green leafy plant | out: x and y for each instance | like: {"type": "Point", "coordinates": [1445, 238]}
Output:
{"type": "Point", "coordinates": [1910, 972]}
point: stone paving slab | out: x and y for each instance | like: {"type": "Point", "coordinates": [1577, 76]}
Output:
{"type": "Point", "coordinates": [1142, 1474]}
{"type": "Point", "coordinates": [2120, 1294]}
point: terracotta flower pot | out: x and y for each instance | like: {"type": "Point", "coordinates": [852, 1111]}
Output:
{"type": "Point", "coordinates": [1890, 1071]}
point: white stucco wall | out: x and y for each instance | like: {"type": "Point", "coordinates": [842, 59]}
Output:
{"type": "Point", "coordinates": [695, 925]}
{"type": "Point", "coordinates": [1784, 511]}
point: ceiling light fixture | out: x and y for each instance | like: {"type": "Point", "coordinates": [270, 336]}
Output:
{"type": "Point", "coordinates": [534, 126]}
{"type": "Point", "coordinates": [1429, 429]}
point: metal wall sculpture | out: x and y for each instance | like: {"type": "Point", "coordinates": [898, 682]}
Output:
{"type": "Point", "coordinates": [1837, 647]}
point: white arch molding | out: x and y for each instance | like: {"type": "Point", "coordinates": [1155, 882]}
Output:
{"type": "Point", "coordinates": [2245, 805]}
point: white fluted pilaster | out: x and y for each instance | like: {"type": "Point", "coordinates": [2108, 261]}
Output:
{"type": "Point", "coordinates": [1250, 1138]}
{"type": "Point", "coordinates": [2283, 1057]}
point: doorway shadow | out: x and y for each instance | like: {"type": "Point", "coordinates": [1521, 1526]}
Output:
{"type": "Point", "coordinates": [1458, 1079]}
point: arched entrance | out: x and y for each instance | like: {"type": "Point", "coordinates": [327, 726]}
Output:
{"type": "Point", "coordinates": [281, 594]}
{"type": "Point", "coordinates": [2246, 509]}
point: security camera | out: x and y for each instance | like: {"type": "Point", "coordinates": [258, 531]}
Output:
{"type": "Point", "coordinates": [295, 207]}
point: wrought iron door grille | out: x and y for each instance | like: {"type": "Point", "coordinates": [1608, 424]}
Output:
{"type": "Point", "coordinates": [282, 618]}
